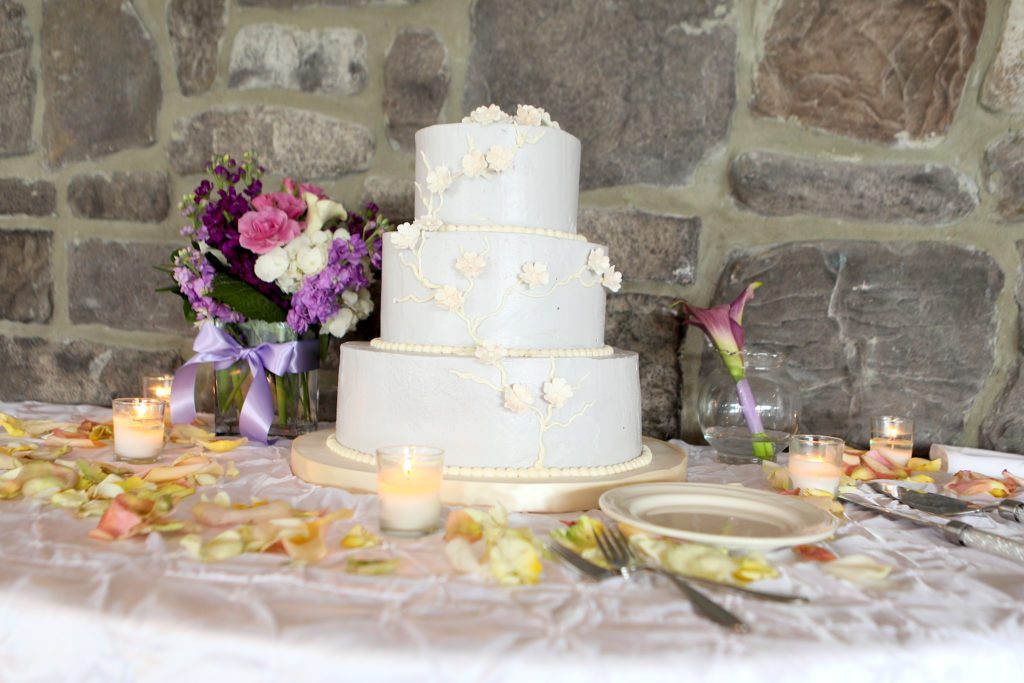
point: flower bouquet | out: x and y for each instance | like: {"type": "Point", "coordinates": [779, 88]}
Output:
{"type": "Point", "coordinates": [264, 275]}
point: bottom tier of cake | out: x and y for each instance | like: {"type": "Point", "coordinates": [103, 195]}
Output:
{"type": "Point", "coordinates": [531, 415]}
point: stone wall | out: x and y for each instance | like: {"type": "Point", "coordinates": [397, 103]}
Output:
{"type": "Point", "coordinates": [861, 157]}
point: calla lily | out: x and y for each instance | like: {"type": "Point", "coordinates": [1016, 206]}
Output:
{"type": "Point", "coordinates": [319, 211]}
{"type": "Point", "coordinates": [723, 325]}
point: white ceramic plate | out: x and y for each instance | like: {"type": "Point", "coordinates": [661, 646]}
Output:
{"type": "Point", "coordinates": [716, 514]}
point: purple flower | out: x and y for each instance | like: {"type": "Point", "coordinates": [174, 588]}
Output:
{"type": "Point", "coordinates": [194, 275]}
{"type": "Point", "coordinates": [319, 297]}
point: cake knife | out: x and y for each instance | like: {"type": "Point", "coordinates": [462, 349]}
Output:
{"type": "Point", "coordinates": [947, 506]}
{"type": "Point", "coordinates": [954, 531]}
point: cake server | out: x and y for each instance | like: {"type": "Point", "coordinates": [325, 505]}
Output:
{"type": "Point", "coordinates": [947, 506]}
{"type": "Point", "coordinates": [954, 531]}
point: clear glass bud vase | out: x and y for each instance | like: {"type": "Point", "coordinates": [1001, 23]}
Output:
{"type": "Point", "coordinates": [294, 395]}
{"type": "Point", "coordinates": [776, 401]}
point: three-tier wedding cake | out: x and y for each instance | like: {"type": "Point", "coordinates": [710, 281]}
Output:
{"type": "Point", "coordinates": [492, 317]}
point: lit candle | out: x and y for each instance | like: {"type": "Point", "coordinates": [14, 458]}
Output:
{"type": "Point", "coordinates": [138, 429]}
{"type": "Point", "coordinates": [409, 489]}
{"type": "Point", "coordinates": [893, 437]}
{"type": "Point", "coordinates": [159, 387]}
{"type": "Point", "coordinates": [815, 462]}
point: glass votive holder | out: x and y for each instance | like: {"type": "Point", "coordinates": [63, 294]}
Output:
{"type": "Point", "coordinates": [815, 462]}
{"type": "Point", "coordinates": [138, 429]}
{"type": "Point", "coordinates": [893, 437]}
{"type": "Point", "coordinates": [159, 386]}
{"type": "Point", "coordinates": [409, 489]}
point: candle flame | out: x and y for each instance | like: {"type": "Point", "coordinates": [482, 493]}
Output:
{"type": "Point", "coordinates": [407, 465]}
{"type": "Point", "coordinates": [162, 392]}
{"type": "Point", "coordinates": [892, 432]}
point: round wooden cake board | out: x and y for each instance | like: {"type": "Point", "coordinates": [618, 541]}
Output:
{"type": "Point", "coordinates": [314, 462]}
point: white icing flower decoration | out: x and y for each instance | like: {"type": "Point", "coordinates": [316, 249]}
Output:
{"type": "Point", "coordinates": [448, 297]}
{"type": "Point", "coordinates": [527, 115]}
{"type": "Point", "coordinates": [534, 274]}
{"type": "Point", "coordinates": [406, 236]}
{"type": "Point", "coordinates": [598, 261]}
{"type": "Point", "coordinates": [499, 158]}
{"type": "Point", "coordinates": [474, 164]}
{"type": "Point", "coordinates": [518, 398]}
{"type": "Point", "coordinates": [557, 392]}
{"type": "Point", "coordinates": [428, 223]}
{"type": "Point", "coordinates": [470, 263]}
{"type": "Point", "coordinates": [612, 279]}
{"type": "Point", "coordinates": [489, 114]}
{"type": "Point", "coordinates": [439, 179]}
{"type": "Point", "coordinates": [490, 352]}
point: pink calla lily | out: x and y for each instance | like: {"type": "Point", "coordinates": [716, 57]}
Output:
{"type": "Point", "coordinates": [723, 324]}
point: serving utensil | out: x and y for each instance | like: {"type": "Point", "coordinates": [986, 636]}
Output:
{"type": "Point", "coordinates": [947, 506]}
{"type": "Point", "coordinates": [954, 531]}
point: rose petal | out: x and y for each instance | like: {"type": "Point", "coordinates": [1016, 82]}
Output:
{"type": "Point", "coordinates": [814, 553]}
{"type": "Point", "coordinates": [858, 569]}
{"type": "Point", "coordinates": [212, 514]}
{"type": "Point", "coordinates": [371, 567]}
{"type": "Point", "coordinates": [360, 537]}
{"type": "Point", "coordinates": [122, 519]}
{"type": "Point", "coordinates": [222, 445]}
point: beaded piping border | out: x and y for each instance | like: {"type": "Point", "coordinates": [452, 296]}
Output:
{"type": "Point", "coordinates": [636, 463]}
{"type": "Point", "coordinates": [543, 232]}
{"type": "Point", "coordinates": [402, 347]}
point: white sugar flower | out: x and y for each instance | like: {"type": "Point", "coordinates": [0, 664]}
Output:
{"type": "Point", "coordinates": [612, 279]}
{"type": "Point", "coordinates": [470, 263]}
{"type": "Point", "coordinates": [598, 261]}
{"type": "Point", "coordinates": [474, 164]}
{"type": "Point", "coordinates": [448, 297]}
{"type": "Point", "coordinates": [342, 322]}
{"type": "Point", "coordinates": [485, 115]}
{"type": "Point", "coordinates": [499, 158]}
{"type": "Point", "coordinates": [534, 274]}
{"type": "Point", "coordinates": [518, 398]}
{"type": "Point", "coordinates": [428, 223]}
{"type": "Point", "coordinates": [527, 115]}
{"type": "Point", "coordinates": [490, 352]}
{"type": "Point", "coordinates": [439, 179]}
{"type": "Point", "coordinates": [406, 236]}
{"type": "Point", "coordinates": [272, 265]}
{"type": "Point", "coordinates": [557, 392]}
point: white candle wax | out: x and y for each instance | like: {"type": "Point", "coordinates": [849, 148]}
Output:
{"type": "Point", "coordinates": [410, 500]}
{"type": "Point", "coordinates": [138, 438]}
{"type": "Point", "coordinates": [810, 472]}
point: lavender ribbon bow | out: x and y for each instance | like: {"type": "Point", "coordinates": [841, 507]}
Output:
{"type": "Point", "coordinates": [214, 345]}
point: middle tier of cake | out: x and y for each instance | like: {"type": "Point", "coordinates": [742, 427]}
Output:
{"type": "Point", "coordinates": [539, 414]}
{"type": "Point", "coordinates": [524, 289]}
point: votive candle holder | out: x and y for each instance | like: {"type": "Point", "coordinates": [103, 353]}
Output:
{"type": "Point", "coordinates": [138, 429]}
{"type": "Point", "coordinates": [893, 437]}
{"type": "Point", "coordinates": [409, 489]}
{"type": "Point", "coordinates": [815, 462]}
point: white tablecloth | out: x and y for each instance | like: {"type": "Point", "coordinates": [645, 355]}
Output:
{"type": "Point", "coordinates": [76, 609]}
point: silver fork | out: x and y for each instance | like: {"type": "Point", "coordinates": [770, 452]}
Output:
{"type": "Point", "coordinates": [623, 558]}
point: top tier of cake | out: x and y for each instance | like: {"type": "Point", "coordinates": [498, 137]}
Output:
{"type": "Point", "coordinates": [498, 173]}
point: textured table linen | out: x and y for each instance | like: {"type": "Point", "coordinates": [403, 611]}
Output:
{"type": "Point", "coordinates": [75, 609]}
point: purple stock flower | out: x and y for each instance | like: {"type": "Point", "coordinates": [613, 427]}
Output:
{"type": "Point", "coordinates": [194, 276]}
{"type": "Point", "coordinates": [319, 298]}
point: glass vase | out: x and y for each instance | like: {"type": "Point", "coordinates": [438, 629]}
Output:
{"type": "Point", "coordinates": [294, 395]}
{"type": "Point", "coordinates": [776, 401]}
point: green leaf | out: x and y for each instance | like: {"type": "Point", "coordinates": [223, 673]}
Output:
{"type": "Point", "coordinates": [245, 299]}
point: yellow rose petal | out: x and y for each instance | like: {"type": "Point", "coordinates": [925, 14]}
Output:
{"type": "Point", "coordinates": [222, 445]}
{"type": "Point", "coordinates": [371, 567]}
{"type": "Point", "coordinates": [360, 537]}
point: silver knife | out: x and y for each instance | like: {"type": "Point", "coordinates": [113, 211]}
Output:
{"type": "Point", "coordinates": [938, 504]}
{"type": "Point", "coordinates": [954, 531]}
{"type": "Point", "coordinates": [598, 573]}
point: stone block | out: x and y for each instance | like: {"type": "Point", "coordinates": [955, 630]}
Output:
{"type": "Point", "coordinates": [17, 80]}
{"type": "Point", "coordinates": [141, 196]}
{"type": "Point", "coordinates": [20, 197]}
{"type": "Point", "coordinates": [645, 246]}
{"type": "Point", "coordinates": [415, 85]}
{"type": "Point", "coordinates": [1003, 168]}
{"type": "Point", "coordinates": [394, 196]}
{"type": "Point", "coordinates": [196, 28]}
{"type": "Point", "coordinates": [26, 277]}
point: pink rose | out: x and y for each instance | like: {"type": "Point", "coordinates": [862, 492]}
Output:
{"type": "Point", "coordinates": [290, 204]}
{"type": "Point", "coordinates": [303, 188]}
{"type": "Point", "coordinates": [263, 230]}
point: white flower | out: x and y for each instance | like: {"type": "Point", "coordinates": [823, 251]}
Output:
{"type": "Point", "coordinates": [485, 115]}
{"type": "Point", "coordinates": [364, 306]}
{"type": "Point", "coordinates": [272, 265]}
{"type": "Point", "coordinates": [319, 211]}
{"type": "Point", "coordinates": [612, 279]}
{"type": "Point", "coordinates": [490, 352]}
{"type": "Point", "coordinates": [470, 263]}
{"type": "Point", "coordinates": [474, 164]}
{"type": "Point", "coordinates": [527, 115]}
{"type": "Point", "coordinates": [312, 259]}
{"type": "Point", "coordinates": [557, 392]}
{"type": "Point", "coordinates": [342, 322]}
{"type": "Point", "coordinates": [289, 284]}
{"type": "Point", "coordinates": [438, 179]}
{"type": "Point", "coordinates": [598, 261]}
{"type": "Point", "coordinates": [428, 223]}
{"type": "Point", "coordinates": [499, 158]}
{"type": "Point", "coordinates": [534, 274]}
{"type": "Point", "coordinates": [406, 236]}
{"type": "Point", "coordinates": [349, 298]}
{"type": "Point", "coordinates": [518, 398]}
{"type": "Point", "coordinates": [448, 297]}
